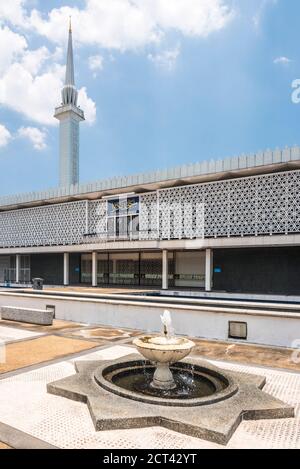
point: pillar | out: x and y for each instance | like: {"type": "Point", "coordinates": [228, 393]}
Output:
{"type": "Point", "coordinates": [18, 268]}
{"type": "Point", "coordinates": [94, 269]}
{"type": "Point", "coordinates": [208, 269]}
{"type": "Point", "coordinates": [66, 269]}
{"type": "Point", "coordinates": [165, 273]}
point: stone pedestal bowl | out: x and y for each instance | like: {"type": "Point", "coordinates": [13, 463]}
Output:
{"type": "Point", "coordinates": [163, 351]}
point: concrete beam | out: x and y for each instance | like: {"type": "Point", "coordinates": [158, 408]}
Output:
{"type": "Point", "coordinates": [212, 243]}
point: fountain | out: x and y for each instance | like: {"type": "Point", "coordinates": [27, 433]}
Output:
{"type": "Point", "coordinates": [187, 395]}
{"type": "Point", "coordinates": [163, 351]}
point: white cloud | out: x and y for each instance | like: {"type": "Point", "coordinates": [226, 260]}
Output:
{"type": "Point", "coordinates": [102, 22]}
{"type": "Point", "coordinates": [5, 136]}
{"type": "Point", "coordinates": [31, 80]}
{"type": "Point", "coordinates": [12, 10]}
{"type": "Point", "coordinates": [36, 136]}
{"type": "Point", "coordinates": [190, 17]}
{"type": "Point", "coordinates": [34, 96]}
{"type": "Point", "coordinates": [88, 106]}
{"type": "Point", "coordinates": [13, 45]}
{"type": "Point", "coordinates": [33, 60]}
{"type": "Point", "coordinates": [166, 59]}
{"type": "Point", "coordinates": [95, 64]}
{"type": "Point", "coordinates": [282, 61]}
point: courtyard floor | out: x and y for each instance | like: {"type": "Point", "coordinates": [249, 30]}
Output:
{"type": "Point", "coordinates": [37, 355]}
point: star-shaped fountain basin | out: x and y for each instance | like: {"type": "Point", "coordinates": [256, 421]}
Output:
{"type": "Point", "coordinates": [214, 417]}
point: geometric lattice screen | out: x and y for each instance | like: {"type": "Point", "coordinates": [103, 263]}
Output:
{"type": "Point", "coordinates": [258, 205]}
{"type": "Point", "coordinates": [61, 224]}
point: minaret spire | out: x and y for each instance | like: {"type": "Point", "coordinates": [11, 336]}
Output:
{"type": "Point", "coordinates": [70, 61]}
{"type": "Point", "coordinates": [69, 92]}
{"type": "Point", "coordinates": [69, 115]}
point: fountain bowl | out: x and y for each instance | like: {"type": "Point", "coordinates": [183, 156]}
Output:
{"type": "Point", "coordinates": [163, 351]}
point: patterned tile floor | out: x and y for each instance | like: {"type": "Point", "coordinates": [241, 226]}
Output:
{"type": "Point", "coordinates": [25, 405]}
{"type": "Point", "coordinates": [8, 334]}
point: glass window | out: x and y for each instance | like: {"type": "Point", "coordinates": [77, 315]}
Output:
{"type": "Point", "coordinates": [124, 268]}
{"type": "Point", "coordinates": [86, 268]}
{"type": "Point", "coordinates": [113, 207]}
{"type": "Point", "coordinates": [133, 205]}
{"type": "Point", "coordinates": [123, 217]}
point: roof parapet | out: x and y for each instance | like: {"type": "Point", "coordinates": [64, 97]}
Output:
{"type": "Point", "coordinates": [251, 161]}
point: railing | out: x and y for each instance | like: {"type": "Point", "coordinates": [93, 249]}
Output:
{"type": "Point", "coordinates": [105, 237]}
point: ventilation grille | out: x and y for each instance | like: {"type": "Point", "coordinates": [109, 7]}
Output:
{"type": "Point", "coordinates": [237, 330]}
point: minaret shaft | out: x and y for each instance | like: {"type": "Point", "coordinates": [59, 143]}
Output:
{"type": "Point", "coordinates": [69, 116]}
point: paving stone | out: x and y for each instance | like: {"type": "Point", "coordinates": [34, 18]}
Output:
{"type": "Point", "coordinates": [4, 446]}
{"type": "Point", "coordinates": [30, 352]}
{"type": "Point", "coordinates": [107, 333]}
{"type": "Point", "coordinates": [57, 325]}
{"type": "Point", "coordinates": [8, 334]}
{"type": "Point", "coordinates": [274, 357]}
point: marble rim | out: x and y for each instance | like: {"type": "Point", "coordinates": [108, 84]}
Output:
{"type": "Point", "coordinates": [210, 372]}
{"type": "Point", "coordinates": [186, 344]}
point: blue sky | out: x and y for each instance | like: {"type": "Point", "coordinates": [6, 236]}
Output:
{"type": "Point", "coordinates": [162, 83]}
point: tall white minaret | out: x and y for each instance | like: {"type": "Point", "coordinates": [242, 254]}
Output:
{"type": "Point", "coordinates": [69, 116]}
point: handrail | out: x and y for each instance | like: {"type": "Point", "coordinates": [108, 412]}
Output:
{"type": "Point", "coordinates": [105, 236]}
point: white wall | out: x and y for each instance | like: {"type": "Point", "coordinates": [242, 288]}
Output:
{"type": "Point", "coordinates": [262, 329]}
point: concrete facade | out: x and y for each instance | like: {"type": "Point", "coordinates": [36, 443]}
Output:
{"type": "Point", "coordinates": [184, 227]}
{"type": "Point", "coordinates": [184, 236]}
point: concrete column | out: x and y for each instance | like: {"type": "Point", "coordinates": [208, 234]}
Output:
{"type": "Point", "coordinates": [18, 267]}
{"type": "Point", "coordinates": [208, 269]}
{"type": "Point", "coordinates": [165, 273]}
{"type": "Point", "coordinates": [66, 269]}
{"type": "Point", "coordinates": [94, 269]}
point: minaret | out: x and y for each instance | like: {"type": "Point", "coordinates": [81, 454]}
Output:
{"type": "Point", "coordinates": [69, 116]}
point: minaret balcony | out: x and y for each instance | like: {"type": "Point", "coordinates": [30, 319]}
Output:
{"type": "Point", "coordinates": [67, 109]}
